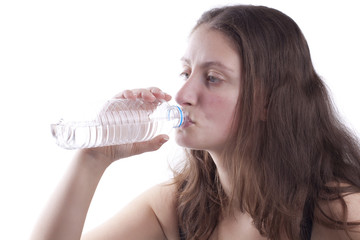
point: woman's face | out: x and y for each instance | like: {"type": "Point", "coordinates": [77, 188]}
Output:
{"type": "Point", "coordinates": [211, 72]}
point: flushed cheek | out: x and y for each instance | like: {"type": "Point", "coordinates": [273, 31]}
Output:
{"type": "Point", "coordinates": [220, 109]}
{"type": "Point", "coordinates": [223, 122]}
{"type": "Point", "coordinates": [220, 122]}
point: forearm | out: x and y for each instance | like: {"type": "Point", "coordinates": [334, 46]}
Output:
{"type": "Point", "coordinates": [65, 214]}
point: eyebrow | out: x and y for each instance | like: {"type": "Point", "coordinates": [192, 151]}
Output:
{"type": "Point", "coordinates": [209, 64]}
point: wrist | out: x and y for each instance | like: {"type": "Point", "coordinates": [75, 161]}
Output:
{"type": "Point", "coordinates": [93, 160]}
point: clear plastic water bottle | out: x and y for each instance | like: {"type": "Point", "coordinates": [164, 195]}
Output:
{"type": "Point", "coordinates": [120, 121]}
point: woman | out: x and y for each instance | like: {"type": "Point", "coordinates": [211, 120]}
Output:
{"type": "Point", "coordinates": [267, 157]}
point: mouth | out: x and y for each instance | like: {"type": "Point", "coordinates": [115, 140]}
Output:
{"type": "Point", "coordinates": [187, 121]}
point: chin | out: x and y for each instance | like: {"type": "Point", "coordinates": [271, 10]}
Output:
{"type": "Point", "coordinates": [181, 142]}
{"type": "Point", "coordinates": [188, 143]}
{"type": "Point", "coordinates": [184, 141]}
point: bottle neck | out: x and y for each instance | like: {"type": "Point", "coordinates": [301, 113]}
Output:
{"type": "Point", "coordinates": [176, 115]}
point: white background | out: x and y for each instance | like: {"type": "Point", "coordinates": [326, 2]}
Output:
{"type": "Point", "coordinates": [55, 55]}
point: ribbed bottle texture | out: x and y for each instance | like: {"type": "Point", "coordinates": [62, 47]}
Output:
{"type": "Point", "coordinates": [120, 121]}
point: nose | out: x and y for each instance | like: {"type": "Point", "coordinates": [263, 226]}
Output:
{"type": "Point", "coordinates": [188, 93]}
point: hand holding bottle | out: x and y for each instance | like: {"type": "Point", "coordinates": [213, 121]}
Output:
{"type": "Point", "coordinates": [109, 154]}
{"type": "Point", "coordinates": [66, 213]}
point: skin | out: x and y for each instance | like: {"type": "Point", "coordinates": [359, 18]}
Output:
{"type": "Point", "coordinates": [208, 95]}
{"type": "Point", "coordinates": [211, 73]}
{"type": "Point", "coordinates": [211, 70]}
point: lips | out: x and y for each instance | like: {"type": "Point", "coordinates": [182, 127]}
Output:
{"type": "Point", "coordinates": [187, 121]}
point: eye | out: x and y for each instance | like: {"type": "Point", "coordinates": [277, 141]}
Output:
{"type": "Point", "coordinates": [212, 79]}
{"type": "Point", "coordinates": [184, 75]}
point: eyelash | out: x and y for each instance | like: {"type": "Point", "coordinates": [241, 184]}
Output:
{"type": "Point", "coordinates": [212, 79]}
{"type": "Point", "coordinates": [209, 78]}
{"type": "Point", "coordinates": [184, 75]}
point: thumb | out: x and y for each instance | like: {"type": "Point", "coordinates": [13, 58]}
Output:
{"type": "Point", "coordinates": [151, 145]}
{"type": "Point", "coordinates": [157, 142]}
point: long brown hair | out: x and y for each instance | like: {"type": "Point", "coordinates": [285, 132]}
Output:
{"type": "Point", "coordinates": [288, 150]}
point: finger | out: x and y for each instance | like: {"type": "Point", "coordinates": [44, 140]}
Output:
{"type": "Point", "coordinates": [167, 97]}
{"type": "Point", "coordinates": [126, 94]}
{"type": "Point", "coordinates": [145, 94]}
{"type": "Point", "coordinates": [150, 94]}
{"type": "Point", "coordinates": [151, 145]}
{"type": "Point", "coordinates": [157, 92]}
{"type": "Point", "coordinates": [160, 94]}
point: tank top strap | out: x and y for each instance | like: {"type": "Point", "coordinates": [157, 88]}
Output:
{"type": "Point", "coordinates": [181, 234]}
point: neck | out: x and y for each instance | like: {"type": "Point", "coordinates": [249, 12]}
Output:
{"type": "Point", "coordinates": [223, 174]}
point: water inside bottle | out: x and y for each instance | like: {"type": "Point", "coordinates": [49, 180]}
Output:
{"type": "Point", "coordinates": [92, 134]}
{"type": "Point", "coordinates": [118, 123]}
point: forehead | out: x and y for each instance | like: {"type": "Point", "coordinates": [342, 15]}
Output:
{"type": "Point", "coordinates": [207, 44]}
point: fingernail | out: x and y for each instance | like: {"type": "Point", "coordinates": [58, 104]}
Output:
{"type": "Point", "coordinates": [164, 140]}
{"type": "Point", "coordinates": [157, 91]}
{"type": "Point", "coordinates": [154, 90]}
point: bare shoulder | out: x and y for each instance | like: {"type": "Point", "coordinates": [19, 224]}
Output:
{"type": "Point", "coordinates": [162, 199]}
{"type": "Point", "coordinates": [152, 215]}
{"type": "Point", "coordinates": [333, 209]}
